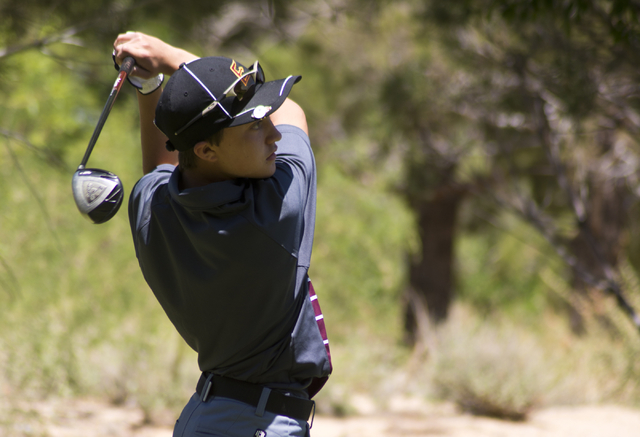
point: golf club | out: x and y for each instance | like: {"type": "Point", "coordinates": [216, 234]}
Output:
{"type": "Point", "coordinates": [98, 193]}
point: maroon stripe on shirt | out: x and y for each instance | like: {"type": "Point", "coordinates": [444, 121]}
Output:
{"type": "Point", "coordinates": [319, 319]}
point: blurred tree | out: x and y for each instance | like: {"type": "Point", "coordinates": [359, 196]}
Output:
{"type": "Point", "coordinates": [531, 106]}
{"type": "Point", "coordinates": [556, 86]}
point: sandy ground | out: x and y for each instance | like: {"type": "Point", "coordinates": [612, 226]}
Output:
{"type": "Point", "coordinates": [89, 418]}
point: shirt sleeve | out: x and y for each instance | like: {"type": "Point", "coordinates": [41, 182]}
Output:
{"type": "Point", "coordinates": [142, 193]}
{"type": "Point", "coordinates": [296, 167]}
{"type": "Point", "coordinates": [294, 149]}
{"type": "Point", "coordinates": [296, 178]}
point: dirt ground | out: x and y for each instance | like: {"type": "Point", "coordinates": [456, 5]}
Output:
{"type": "Point", "coordinates": [90, 418]}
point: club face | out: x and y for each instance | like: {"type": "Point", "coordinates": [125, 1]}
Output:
{"type": "Point", "coordinates": [98, 194]}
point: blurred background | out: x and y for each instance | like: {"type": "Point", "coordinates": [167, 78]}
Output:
{"type": "Point", "coordinates": [477, 239]}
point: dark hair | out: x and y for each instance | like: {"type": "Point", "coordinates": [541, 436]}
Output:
{"type": "Point", "coordinates": [187, 158]}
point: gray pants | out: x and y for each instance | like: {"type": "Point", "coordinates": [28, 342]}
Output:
{"type": "Point", "coordinates": [225, 417]}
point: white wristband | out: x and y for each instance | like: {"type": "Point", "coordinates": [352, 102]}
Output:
{"type": "Point", "coordinates": [144, 86]}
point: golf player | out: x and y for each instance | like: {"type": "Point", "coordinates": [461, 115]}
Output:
{"type": "Point", "coordinates": [222, 223]}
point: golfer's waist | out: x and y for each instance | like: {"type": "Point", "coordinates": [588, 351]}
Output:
{"type": "Point", "coordinates": [248, 393]}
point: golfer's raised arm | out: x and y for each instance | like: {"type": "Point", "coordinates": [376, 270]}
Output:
{"type": "Point", "coordinates": [153, 57]}
{"type": "Point", "coordinates": [290, 113]}
{"type": "Point", "coordinates": [152, 140]}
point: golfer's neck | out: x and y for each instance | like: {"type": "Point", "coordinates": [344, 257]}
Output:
{"type": "Point", "coordinates": [197, 177]}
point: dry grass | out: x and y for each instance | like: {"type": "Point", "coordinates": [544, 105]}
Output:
{"type": "Point", "coordinates": [490, 368]}
{"type": "Point", "coordinates": [498, 368]}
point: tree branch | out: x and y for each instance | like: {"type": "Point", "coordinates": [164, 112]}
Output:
{"type": "Point", "coordinates": [62, 36]}
{"type": "Point", "coordinates": [34, 193]}
{"type": "Point", "coordinates": [51, 158]}
{"type": "Point", "coordinates": [66, 34]}
{"type": "Point", "coordinates": [12, 286]}
{"type": "Point", "coordinates": [530, 211]}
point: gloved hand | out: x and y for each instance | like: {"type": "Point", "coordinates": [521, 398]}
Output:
{"type": "Point", "coordinates": [144, 86]}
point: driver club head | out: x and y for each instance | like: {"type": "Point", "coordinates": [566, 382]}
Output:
{"type": "Point", "coordinates": [98, 193]}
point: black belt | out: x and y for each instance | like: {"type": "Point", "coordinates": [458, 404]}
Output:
{"type": "Point", "coordinates": [248, 393]}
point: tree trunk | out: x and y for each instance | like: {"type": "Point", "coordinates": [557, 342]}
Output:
{"type": "Point", "coordinates": [598, 244]}
{"type": "Point", "coordinates": [431, 272]}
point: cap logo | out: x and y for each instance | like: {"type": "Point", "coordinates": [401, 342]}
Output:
{"type": "Point", "coordinates": [238, 71]}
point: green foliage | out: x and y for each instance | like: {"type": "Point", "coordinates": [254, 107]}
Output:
{"type": "Point", "coordinates": [71, 292]}
{"type": "Point", "coordinates": [362, 236]}
{"type": "Point", "coordinates": [499, 269]}
{"type": "Point", "coordinates": [76, 312]}
{"type": "Point", "coordinates": [621, 16]}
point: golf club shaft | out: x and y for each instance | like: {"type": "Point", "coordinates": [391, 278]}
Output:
{"type": "Point", "coordinates": [125, 70]}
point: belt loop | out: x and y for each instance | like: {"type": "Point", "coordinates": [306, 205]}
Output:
{"type": "Point", "coordinates": [262, 403]}
{"type": "Point", "coordinates": [206, 388]}
{"type": "Point", "coordinates": [313, 416]}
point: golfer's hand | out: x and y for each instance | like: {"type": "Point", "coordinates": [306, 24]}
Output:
{"type": "Point", "coordinates": [153, 56]}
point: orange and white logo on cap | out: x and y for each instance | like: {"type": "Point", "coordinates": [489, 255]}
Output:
{"type": "Point", "coordinates": [238, 71]}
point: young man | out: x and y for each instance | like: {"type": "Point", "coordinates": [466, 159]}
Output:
{"type": "Point", "coordinates": [224, 238]}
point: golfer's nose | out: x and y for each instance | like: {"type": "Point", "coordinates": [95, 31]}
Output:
{"type": "Point", "coordinates": [274, 134]}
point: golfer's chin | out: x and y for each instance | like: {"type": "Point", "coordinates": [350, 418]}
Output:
{"type": "Point", "coordinates": [270, 171]}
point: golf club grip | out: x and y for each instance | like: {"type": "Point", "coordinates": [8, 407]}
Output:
{"type": "Point", "coordinates": [127, 65]}
{"type": "Point", "coordinates": [125, 69]}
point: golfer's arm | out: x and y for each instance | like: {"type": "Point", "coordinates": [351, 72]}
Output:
{"type": "Point", "coordinates": [153, 141]}
{"type": "Point", "coordinates": [290, 113]}
{"type": "Point", "coordinates": [153, 56]}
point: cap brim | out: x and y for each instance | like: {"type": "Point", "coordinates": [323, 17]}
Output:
{"type": "Point", "coordinates": [266, 100]}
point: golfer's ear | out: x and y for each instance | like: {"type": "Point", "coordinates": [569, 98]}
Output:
{"type": "Point", "coordinates": [204, 150]}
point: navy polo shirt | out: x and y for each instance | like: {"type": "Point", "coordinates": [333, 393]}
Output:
{"type": "Point", "coordinates": [228, 263]}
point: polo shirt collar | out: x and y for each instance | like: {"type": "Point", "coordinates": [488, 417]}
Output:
{"type": "Point", "coordinates": [209, 196]}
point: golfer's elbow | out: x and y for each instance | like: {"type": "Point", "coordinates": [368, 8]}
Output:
{"type": "Point", "coordinates": [290, 113]}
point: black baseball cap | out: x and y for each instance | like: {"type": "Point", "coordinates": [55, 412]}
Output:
{"type": "Point", "coordinates": [194, 106]}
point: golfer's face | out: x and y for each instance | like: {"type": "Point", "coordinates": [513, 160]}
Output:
{"type": "Point", "coordinates": [249, 150]}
